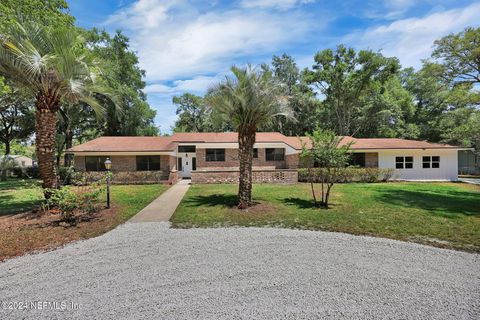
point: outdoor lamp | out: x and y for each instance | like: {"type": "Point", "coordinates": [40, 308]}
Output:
{"type": "Point", "coordinates": [108, 166]}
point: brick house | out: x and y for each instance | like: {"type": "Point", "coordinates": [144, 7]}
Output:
{"type": "Point", "coordinates": [213, 157]}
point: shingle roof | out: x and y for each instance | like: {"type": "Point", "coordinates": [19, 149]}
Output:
{"type": "Point", "coordinates": [224, 137]}
{"type": "Point", "coordinates": [125, 144]}
{"type": "Point", "coordinates": [145, 144]}
{"type": "Point", "coordinates": [374, 143]}
{"type": "Point", "coordinates": [394, 143]}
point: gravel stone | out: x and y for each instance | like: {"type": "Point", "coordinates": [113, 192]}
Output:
{"type": "Point", "coordinates": [149, 271]}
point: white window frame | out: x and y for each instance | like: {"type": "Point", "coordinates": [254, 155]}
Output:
{"type": "Point", "coordinates": [430, 161]}
{"type": "Point", "coordinates": [404, 162]}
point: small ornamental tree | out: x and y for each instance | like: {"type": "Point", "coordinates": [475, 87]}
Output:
{"type": "Point", "coordinates": [325, 158]}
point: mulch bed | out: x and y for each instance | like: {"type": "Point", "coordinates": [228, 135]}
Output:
{"type": "Point", "coordinates": [38, 230]}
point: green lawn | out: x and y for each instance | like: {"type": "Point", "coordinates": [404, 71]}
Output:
{"type": "Point", "coordinates": [22, 195]}
{"type": "Point", "coordinates": [442, 214]}
{"type": "Point", "coordinates": [18, 195]}
{"type": "Point", "coordinates": [133, 198]}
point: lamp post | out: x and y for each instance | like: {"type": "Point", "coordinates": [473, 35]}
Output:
{"type": "Point", "coordinates": [108, 166]}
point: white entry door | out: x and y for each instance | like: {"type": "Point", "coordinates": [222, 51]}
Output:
{"type": "Point", "coordinates": [188, 161]}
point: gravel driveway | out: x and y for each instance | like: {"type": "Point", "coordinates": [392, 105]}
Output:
{"type": "Point", "coordinates": [147, 271]}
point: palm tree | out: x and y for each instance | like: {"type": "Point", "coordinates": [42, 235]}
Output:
{"type": "Point", "coordinates": [53, 66]}
{"type": "Point", "coordinates": [250, 100]}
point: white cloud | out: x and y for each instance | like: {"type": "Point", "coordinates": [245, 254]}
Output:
{"type": "Point", "coordinates": [142, 14]}
{"type": "Point", "coordinates": [182, 43]}
{"type": "Point", "coordinates": [187, 47]}
{"type": "Point", "coordinates": [198, 84]}
{"type": "Point", "coordinates": [278, 4]}
{"type": "Point", "coordinates": [411, 39]}
{"type": "Point", "coordinates": [158, 88]}
{"type": "Point", "coordinates": [397, 8]}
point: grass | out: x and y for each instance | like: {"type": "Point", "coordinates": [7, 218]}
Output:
{"type": "Point", "coordinates": [441, 214]}
{"type": "Point", "coordinates": [26, 232]}
{"type": "Point", "coordinates": [132, 199]}
{"type": "Point", "coordinates": [19, 195]}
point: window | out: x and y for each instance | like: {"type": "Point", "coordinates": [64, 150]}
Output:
{"type": "Point", "coordinates": [357, 159]}
{"type": "Point", "coordinates": [431, 162]}
{"type": "Point", "coordinates": [186, 149]}
{"type": "Point", "coordinates": [194, 163]}
{"type": "Point", "coordinates": [404, 162]}
{"type": "Point", "coordinates": [255, 152]}
{"type": "Point", "coordinates": [95, 163]}
{"type": "Point", "coordinates": [277, 154]}
{"type": "Point", "coordinates": [148, 163]}
{"type": "Point", "coordinates": [215, 155]}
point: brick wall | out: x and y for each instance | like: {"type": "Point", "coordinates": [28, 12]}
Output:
{"type": "Point", "coordinates": [292, 161]}
{"type": "Point", "coordinates": [260, 176]}
{"type": "Point", "coordinates": [231, 160]}
{"type": "Point", "coordinates": [371, 160]}
{"type": "Point", "coordinates": [126, 168]}
{"type": "Point", "coordinates": [122, 177]}
{"type": "Point", "coordinates": [123, 163]}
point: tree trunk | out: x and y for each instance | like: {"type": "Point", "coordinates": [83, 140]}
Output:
{"type": "Point", "coordinates": [46, 128]}
{"type": "Point", "coordinates": [3, 174]}
{"type": "Point", "coordinates": [246, 140]}
{"type": "Point", "coordinates": [311, 178]}
{"type": "Point", "coordinates": [68, 145]}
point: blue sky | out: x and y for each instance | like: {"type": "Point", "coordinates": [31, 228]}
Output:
{"type": "Point", "coordinates": [187, 46]}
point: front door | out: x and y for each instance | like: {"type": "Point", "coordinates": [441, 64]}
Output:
{"type": "Point", "coordinates": [188, 163]}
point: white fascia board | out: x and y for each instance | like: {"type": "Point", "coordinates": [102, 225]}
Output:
{"type": "Point", "coordinates": [408, 149]}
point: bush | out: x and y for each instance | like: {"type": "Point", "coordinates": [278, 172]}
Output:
{"type": "Point", "coordinates": [349, 174]}
{"type": "Point", "coordinates": [65, 174]}
{"type": "Point", "coordinates": [90, 197]}
{"type": "Point", "coordinates": [70, 201]}
{"type": "Point", "coordinates": [65, 200]}
{"type": "Point", "coordinates": [29, 172]}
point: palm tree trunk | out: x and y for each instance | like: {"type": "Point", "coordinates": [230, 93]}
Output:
{"type": "Point", "coordinates": [46, 128]}
{"type": "Point", "coordinates": [246, 140]}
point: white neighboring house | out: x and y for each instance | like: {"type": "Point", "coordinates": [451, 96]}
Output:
{"type": "Point", "coordinates": [22, 161]}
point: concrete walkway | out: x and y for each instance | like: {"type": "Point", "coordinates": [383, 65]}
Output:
{"type": "Point", "coordinates": [470, 180]}
{"type": "Point", "coordinates": [162, 208]}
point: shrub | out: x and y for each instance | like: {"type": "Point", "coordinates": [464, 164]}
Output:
{"type": "Point", "coordinates": [90, 197]}
{"type": "Point", "coordinates": [368, 175]}
{"type": "Point", "coordinates": [29, 172]}
{"type": "Point", "coordinates": [349, 174]}
{"type": "Point", "coordinates": [65, 174]}
{"type": "Point", "coordinates": [69, 201]}
{"type": "Point", "coordinates": [387, 174]}
{"type": "Point", "coordinates": [65, 200]}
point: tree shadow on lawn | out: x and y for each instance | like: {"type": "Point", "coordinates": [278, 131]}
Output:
{"type": "Point", "coordinates": [305, 203]}
{"type": "Point", "coordinates": [223, 200]}
{"type": "Point", "coordinates": [16, 184]}
{"type": "Point", "coordinates": [7, 209]}
{"type": "Point", "coordinates": [448, 203]}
